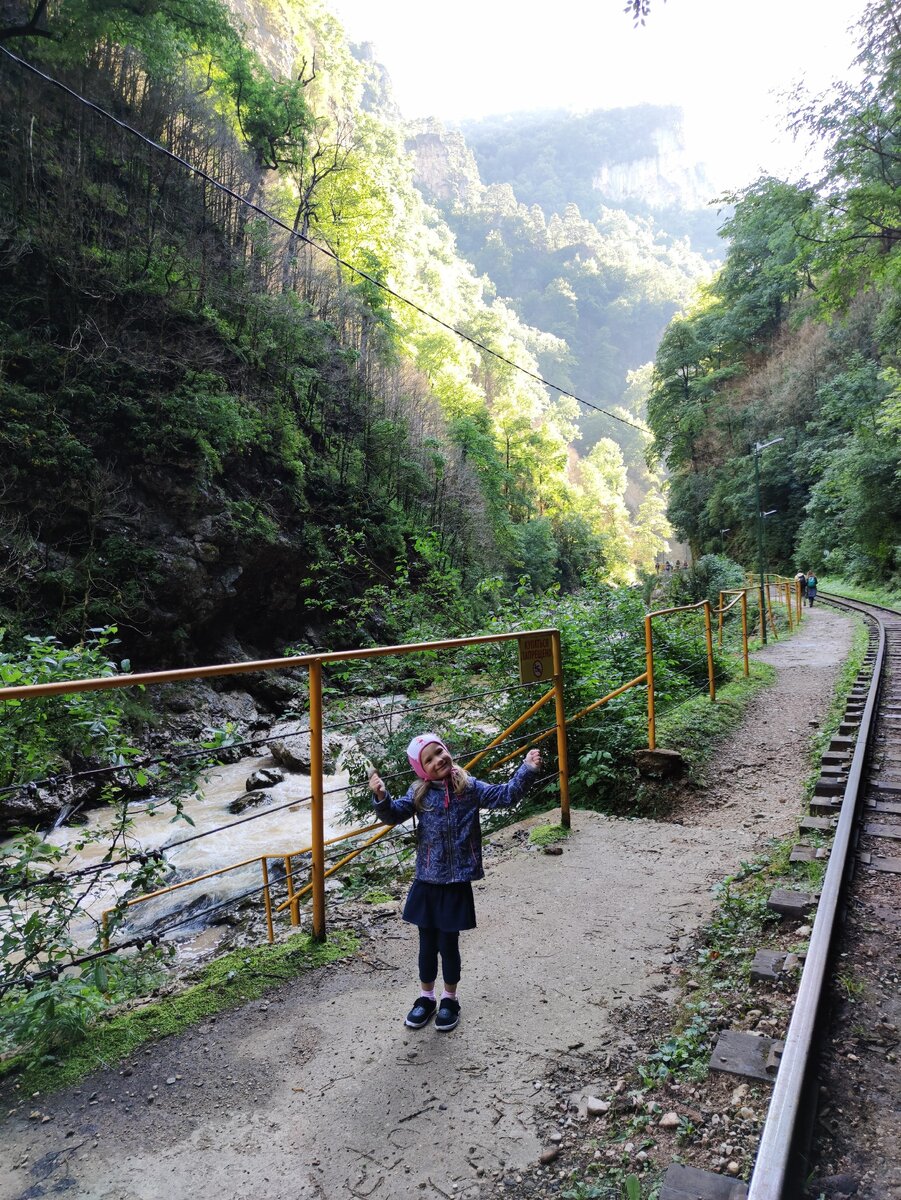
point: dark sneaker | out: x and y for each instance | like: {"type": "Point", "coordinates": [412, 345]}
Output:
{"type": "Point", "coordinates": [448, 1015]}
{"type": "Point", "coordinates": [421, 1012]}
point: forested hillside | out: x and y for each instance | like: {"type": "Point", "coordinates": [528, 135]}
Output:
{"type": "Point", "coordinates": [799, 338]}
{"type": "Point", "coordinates": [603, 280]}
{"type": "Point", "coordinates": [218, 427]}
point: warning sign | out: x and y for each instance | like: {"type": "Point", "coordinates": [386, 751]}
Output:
{"type": "Point", "coordinates": [536, 657]}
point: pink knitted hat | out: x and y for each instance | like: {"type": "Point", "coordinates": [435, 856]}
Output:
{"type": "Point", "coordinates": [416, 747]}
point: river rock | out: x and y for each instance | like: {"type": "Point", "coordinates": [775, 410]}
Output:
{"type": "Point", "coordinates": [195, 706]}
{"type": "Point", "coordinates": [264, 777]}
{"type": "Point", "coordinates": [249, 800]}
{"type": "Point", "coordinates": [33, 807]}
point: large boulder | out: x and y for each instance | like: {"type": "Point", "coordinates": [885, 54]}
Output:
{"type": "Point", "coordinates": [292, 751]}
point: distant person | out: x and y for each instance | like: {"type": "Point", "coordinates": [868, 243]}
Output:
{"type": "Point", "coordinates": [801, 584]}
{"type": "Point", "coordinates": [811, 588]}
{"type": "Point", "coordinates": [667, 566]}
{"type": "Point", "coordinates": [448, 859]}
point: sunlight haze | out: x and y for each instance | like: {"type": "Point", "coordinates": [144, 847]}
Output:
{"type": "Point", "coordinates": [721, 62]}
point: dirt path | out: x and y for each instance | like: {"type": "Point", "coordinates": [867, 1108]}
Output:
{"type": "Point", "coordinates": [319, 1091]}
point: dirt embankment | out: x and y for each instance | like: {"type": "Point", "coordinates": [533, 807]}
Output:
{"type": "Point", "coordinates": [320, 1091]}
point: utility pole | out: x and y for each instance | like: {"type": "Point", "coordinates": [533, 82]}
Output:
{"type": "Point", "coordinates": [723, 532]}
{"type": "Point", "coordinates": [758, 447]}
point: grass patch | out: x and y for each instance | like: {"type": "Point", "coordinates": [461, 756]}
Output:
{"type": "Point", "coordinates": [547, 835]}
{"type": "Point", "coordinates": [230, 981]}
{"type": "Point", "coordinates": [869, 595]}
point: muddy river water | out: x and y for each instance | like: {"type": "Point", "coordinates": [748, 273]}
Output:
{"type": "Point", "coordinates": [280, 827]}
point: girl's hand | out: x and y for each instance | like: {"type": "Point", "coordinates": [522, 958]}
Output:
{"type": "Point", "coordinates": [376, 786]}
{"type": "Point", "coordinates": [533, 758]}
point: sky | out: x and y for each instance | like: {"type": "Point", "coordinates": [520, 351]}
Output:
{"type": "Point", "coordinates": [719, 60]}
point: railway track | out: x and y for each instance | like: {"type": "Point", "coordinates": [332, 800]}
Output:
{"type": "Point", "coordinates": [833, 1127]}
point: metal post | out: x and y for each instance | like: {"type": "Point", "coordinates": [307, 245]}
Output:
{"type": "Point", "coordinates": [788, 606]}
{"type": "Point", "coordinates": [267, 899]}
{"type": "Point", "coordinates": [293, 908]}
{"type": "Point", "coordinates": [759, 540]}
{"type": "Point", "coordinates": [720, 612]}
{"type": "Point", "coordinates": [317, 803]}
{"type": "Point", "coordinates": [744, 629]}
{"type": "Point", "coordinates": [560, 710]}
{"type": "Point", "coordinates": [758, 447]}
{"type": "Point", "coordinates": [708, 633]}
{"type": "Point", "coordinates": [649, 661]}
{"type": "Point", "coordinates": [769, 608]}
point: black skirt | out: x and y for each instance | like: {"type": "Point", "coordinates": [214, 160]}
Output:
{"type": "Point", "coordinates": [449, 907]}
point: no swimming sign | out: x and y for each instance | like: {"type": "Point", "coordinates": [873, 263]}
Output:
{"type": "Point", "coordinates": [536, 657]}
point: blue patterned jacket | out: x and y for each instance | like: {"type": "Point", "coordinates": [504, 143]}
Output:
{"type": "Point", "coordinates": [449, 846]}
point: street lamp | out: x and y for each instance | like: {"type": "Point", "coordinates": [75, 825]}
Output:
{"type": "Point", "coordinates": [722, 543]}
{"type": "Point", "coordinates": [758, 448]}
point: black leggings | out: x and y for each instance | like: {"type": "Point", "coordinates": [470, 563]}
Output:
{"type": "Point", "coordinates": [431, 941]}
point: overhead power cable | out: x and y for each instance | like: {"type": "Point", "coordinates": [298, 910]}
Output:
{"type": "Point", "coordinates": [315, 245]}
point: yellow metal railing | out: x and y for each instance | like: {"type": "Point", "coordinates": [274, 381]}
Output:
{"type": "Point", "coordinates": [704, 606]}
{"type": "Point", "coordinates": [314, 664]}
{"type": "Point", "coordinates": [783, 589]}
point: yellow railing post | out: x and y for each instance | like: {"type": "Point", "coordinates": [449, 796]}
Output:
{"type": "Point", "coordinates": [708, 633]}
{"type": "Point", "coordinates": [293, 909]}
{"type": "Point", "coordinates": [798, 604]}
{"type": "Point", "coordinates": [562, 758]}
{"type": "Point", "coordinates": [788, 606]}
{"type": "Point", "coordinates": [317, 805]}
{"type": "Point", "coordinates": [744, 629]}
{"type": "Point", "coordinates": [649, 665]}
{"type": "Point", "coordinates": [267, 900]}
{"type": "Point", "coordinates": [762, 606]}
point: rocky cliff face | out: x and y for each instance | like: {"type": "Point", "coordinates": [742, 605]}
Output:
{"type": "Point", "coordinates": [666, 179]}
{"type": "Point", "coordinates": [445, 170]}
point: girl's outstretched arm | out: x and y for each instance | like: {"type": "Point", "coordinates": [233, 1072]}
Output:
{"type": "Point", "coordinates": [392, 812]}
{"type": "Point", "coordinates": [505, 795]}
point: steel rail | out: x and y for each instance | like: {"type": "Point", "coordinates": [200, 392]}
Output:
{"type": "Point", "coordinates": [779, 1138]}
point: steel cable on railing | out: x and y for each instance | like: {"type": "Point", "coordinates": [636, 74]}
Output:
{"type": "Point", "coordinates": [144, 856]}
{"type": "Point", "coordinates": [143, 764]}
{"type": "Point", "coordinates": [29, 980]}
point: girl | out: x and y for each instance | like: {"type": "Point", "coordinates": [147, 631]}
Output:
{"type": "Point", "coordinates": [448, 858]}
